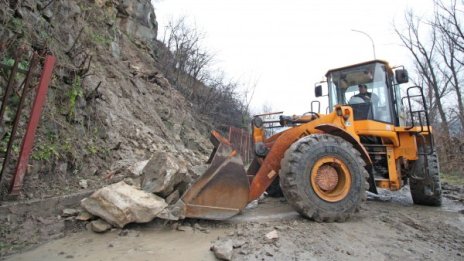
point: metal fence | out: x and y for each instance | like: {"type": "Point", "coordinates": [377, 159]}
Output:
{"type": "Point", "coordinates": [24, 81]}
{"type": "Point", "coordinates": [241, 140]}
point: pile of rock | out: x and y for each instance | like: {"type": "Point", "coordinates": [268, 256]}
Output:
{"type": "Point", "coordinates": [225, 248]}
{"type": "Point", "coordinates": [164, 179]}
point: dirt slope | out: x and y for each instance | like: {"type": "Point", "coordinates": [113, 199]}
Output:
{"type": "Point", "coordinates": [108, 105]}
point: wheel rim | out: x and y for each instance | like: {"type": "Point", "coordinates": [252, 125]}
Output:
{"type": "Point", "coordinates": [330, 179]}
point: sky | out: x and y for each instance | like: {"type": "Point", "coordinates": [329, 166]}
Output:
{"type": "Point", "coordinates": [284, 47]}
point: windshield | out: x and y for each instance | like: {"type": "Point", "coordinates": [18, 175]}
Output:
{"type": "Point", "coordinates": [364, 88]}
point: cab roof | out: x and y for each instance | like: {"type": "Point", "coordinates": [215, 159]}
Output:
{"type": "Point", "coordinates": [390, 71]}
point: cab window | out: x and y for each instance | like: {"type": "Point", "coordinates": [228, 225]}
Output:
{"type": "Point", "coordinates": [365, 89]}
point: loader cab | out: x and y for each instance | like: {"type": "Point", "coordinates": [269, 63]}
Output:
{"type": "Point", "coordinates": [379, 103]}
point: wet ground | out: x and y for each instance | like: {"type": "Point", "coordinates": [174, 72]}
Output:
{"type": "Point", "coordinates": [388, 227]}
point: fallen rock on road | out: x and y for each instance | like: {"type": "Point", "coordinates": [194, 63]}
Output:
{"type": "Point", "coordinates": [69, 212]}
{"type": "Point", "coordinates": [273, 235]}
{"type": "Point", "coordinates": [120, 204]}
{"type": "Point", "coordinates": [163, 173]}
{"type": "Point", "coordinates": [223, 249]}
{"type": "Point", "coordinates": [99, 226]}
{"type": "Point", "coordinates": [84, 216]}
{"type": "Point", "coordinates": [395, 230]}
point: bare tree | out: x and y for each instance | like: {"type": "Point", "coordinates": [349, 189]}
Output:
{"type": "Point", "coordinates": [447, 22]}
{"type": "Point", "coordinates": [247, 98]}
{"type": "Point", "coordinates": [427, 66]}
{"type": "Point", "coordinates": [439, 61]}
{"type": "Point", "coordinates": [189, 58]}
{"type": "Point", "coordinates": [188, 65]}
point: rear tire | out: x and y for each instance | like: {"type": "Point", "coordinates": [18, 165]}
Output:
{"type": "Point", "coordinates": [304, 162]}
{"type": "Point", "coordinates": [274, 190]}
{"type": "Point", "coordinates": [419, 188]}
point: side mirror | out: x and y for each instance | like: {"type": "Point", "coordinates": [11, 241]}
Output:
{"type": "Point", "coordinates": [318, 90]}
{"type": "Point", "coordinates": [401, 76]}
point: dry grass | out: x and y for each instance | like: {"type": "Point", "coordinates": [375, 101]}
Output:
{"type": "Point", "coordinates": [454, 178]}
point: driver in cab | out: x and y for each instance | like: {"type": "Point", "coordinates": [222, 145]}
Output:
{"type": "Point", "coordinates": [365, 95]}
{"type": "Point", "coordinates": [365, 102]}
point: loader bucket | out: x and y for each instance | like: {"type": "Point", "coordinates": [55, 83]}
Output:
{"type": "Point", "coordinates": [222, 191]}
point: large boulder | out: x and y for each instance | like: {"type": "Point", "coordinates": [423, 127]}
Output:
{"type": "Point", "coordinates": [163, 173]}
{"type": "Point", "coordinates": [120, 204]}
{"type": "Point", "coordinates": [138, 19]}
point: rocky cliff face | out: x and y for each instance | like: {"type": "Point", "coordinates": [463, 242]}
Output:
{"type": "Point", "coordinates": [109, 106]}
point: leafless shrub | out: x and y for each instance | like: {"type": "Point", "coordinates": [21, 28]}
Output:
{"type": "Point", "coordinates": [437, 49]}
{"type": "Point", "coordinates": [189, 67]}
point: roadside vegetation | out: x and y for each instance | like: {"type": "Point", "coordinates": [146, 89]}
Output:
{"type": "Point", "coordinates": [190, 68]}
{"type": "Point", "coordinates": [436, 45]}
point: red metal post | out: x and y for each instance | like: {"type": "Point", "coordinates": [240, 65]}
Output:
{"type": "Point", "coordinates": [28, 141]}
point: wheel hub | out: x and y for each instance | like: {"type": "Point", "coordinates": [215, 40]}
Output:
{"type": "Point", "coordinates": [327, 178]}
{"type": "Point", "coordinates": [330, 179]}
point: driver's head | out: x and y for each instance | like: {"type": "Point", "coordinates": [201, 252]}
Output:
{"type": "Point", "coordinates": [362, 88]}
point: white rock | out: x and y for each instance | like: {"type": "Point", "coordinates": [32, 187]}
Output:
{"type": "Point", "coordinates": [239, 243]}
{"type": "Point", "coordinates": [69, 212]}
{"type": "Point", "coordinates": [137, 168]}
{"type": "Point", "coordinates": [272, 235]}
{"type": "Point", "coordinates": [167, 214]}
{"type": "Point", "coordinates": [185, 228]}
{"type": "Point", "coordinates": [120, 204]}
{"type": "Point", "coordinates": [83, 183]}
{"type": "Point", "coordinates": [223, 249]}
{"type": "Point", "coordinates": [99, 226]}
{"type": "Point", "coordinates": [84, 216]}
{"type": "Point", "coordinates": [198, 170]}
{"type": "Point", "coordinates": [252, 204]}
{"type": "Point", "coordinates": [162, 173]}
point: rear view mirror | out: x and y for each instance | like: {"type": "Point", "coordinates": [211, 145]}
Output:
{"type": "Point", "coordinates": [318, 90]}
{"type": "Point", "coordinates": [401, 76]}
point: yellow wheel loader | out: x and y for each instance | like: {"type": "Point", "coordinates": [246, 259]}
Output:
{"type": "Point", "coordinates": [369, 137]}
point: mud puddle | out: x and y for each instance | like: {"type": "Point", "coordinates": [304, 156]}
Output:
{"type": "Point", "coordinates": [138, 244]}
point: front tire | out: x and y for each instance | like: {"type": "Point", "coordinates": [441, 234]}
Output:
{"type": "Point", "coordinates": [323, 177]}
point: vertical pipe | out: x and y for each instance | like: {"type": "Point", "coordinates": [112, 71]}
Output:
{"type": "Point", "coordinates": [7, 159]}
{"type": "Point", "coordinates": [230, 133]}
{"type": "Point", "coordinates": [28, 139]}
{"type": "Point", "coordinates": [244, 146]}
{"type": "Point", "coordinates": [9, 87]}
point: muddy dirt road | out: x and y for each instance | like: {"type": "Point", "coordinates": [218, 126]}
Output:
{"type": "Point", "coordinates": [387, 228]}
